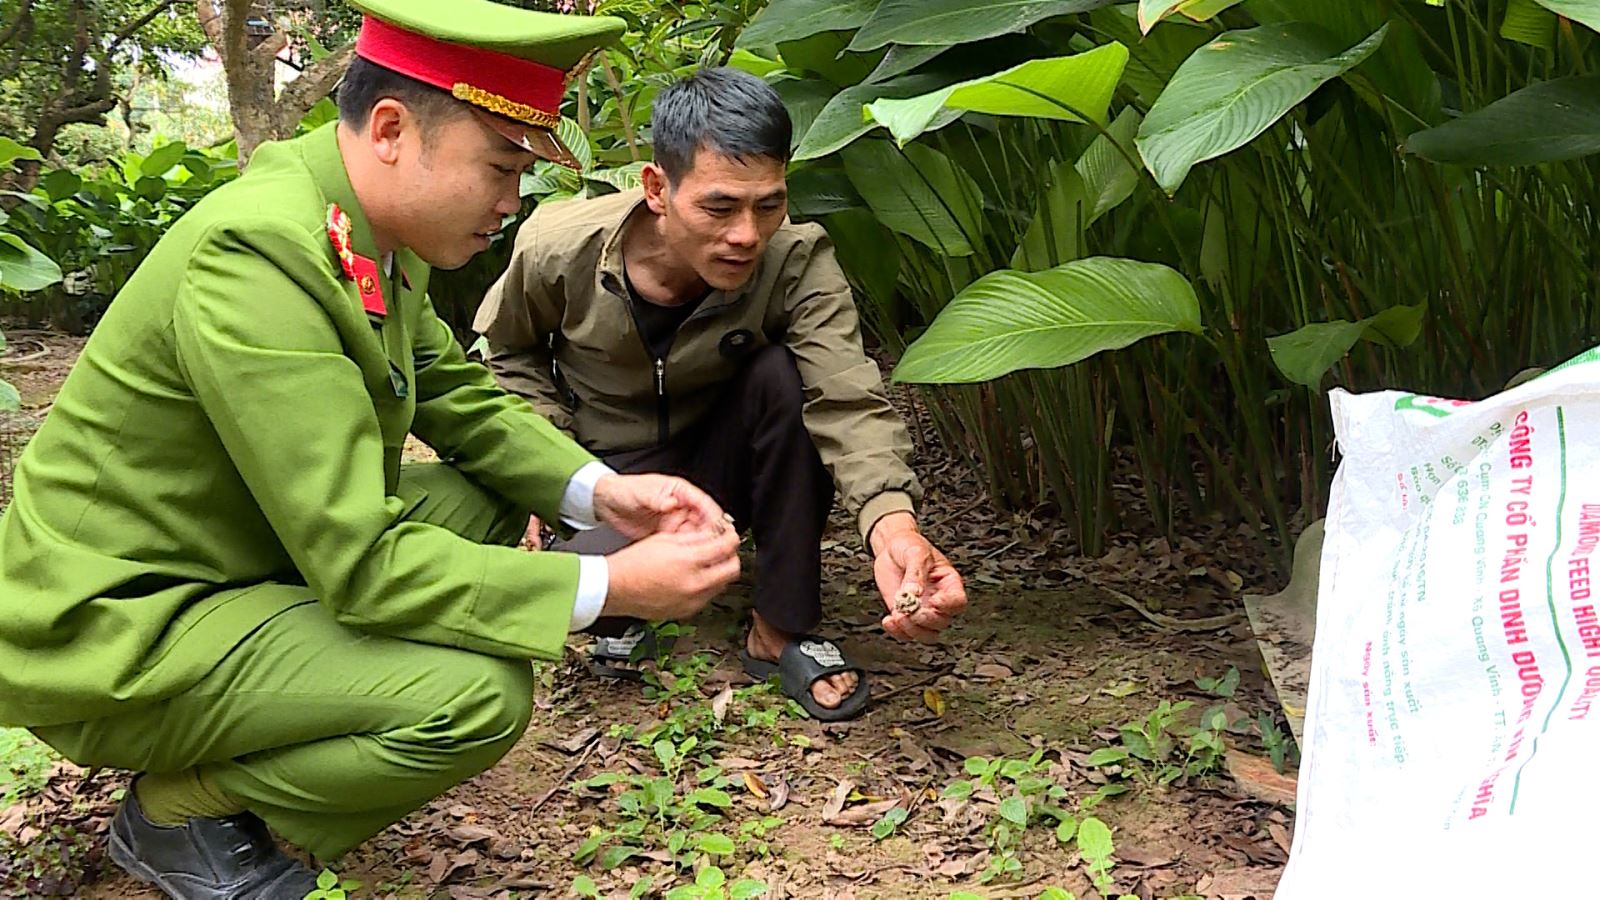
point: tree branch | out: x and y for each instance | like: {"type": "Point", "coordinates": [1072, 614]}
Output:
{"type": "Point", "coordinates": [24, 14]}
{"type": "Point", "coordinates": [210, 22]}
{"type": "Point", "coordinates": [129, 29]}
{"type": "Point", "coordinates": [313, 84]}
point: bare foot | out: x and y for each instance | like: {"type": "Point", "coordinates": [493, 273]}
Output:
{"type": "Point", "coordinates": [766, 642]}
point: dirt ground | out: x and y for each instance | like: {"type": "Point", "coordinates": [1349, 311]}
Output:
{"type": "Point", "coordinates": [1046, 667]}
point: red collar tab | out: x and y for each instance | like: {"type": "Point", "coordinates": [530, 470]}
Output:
{"type": "Point", "coordinates": [359, 269]}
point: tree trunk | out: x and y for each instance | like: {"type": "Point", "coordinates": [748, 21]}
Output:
{"type": "Point", "coordinates": [259, 112]}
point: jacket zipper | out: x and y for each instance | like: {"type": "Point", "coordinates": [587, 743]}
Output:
{"type": "Point", "coordinates": [661, 400]}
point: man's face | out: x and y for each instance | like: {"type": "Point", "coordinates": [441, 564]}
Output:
{"type": "Point", "coordinates": [719, 216]}
{"type": "Point", "coordinates": [457, 186]}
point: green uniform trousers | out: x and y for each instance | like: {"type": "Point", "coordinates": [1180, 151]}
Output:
{"type": "Point", "coordinates": [327, 733]}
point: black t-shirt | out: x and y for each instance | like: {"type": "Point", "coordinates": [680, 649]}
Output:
{"type": "Point", "coordinates": [658, 324]}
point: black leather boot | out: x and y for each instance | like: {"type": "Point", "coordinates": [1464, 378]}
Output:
{"type": "Point", "coordinates": [233, 858]}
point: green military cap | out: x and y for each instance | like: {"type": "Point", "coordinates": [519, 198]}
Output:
{"type": "Point", "coordinates": [513, 64]}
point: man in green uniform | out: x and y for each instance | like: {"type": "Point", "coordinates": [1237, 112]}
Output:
{"type": "Point", "coordinates": [690, 327]}
{"type": "Point", "coordinates": [216, 570]}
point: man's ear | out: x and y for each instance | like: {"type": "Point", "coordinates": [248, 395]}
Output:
{"type": "Point", "coordinates": [656, 187]}
{"type": "Point", "coordinates": [388, 127]}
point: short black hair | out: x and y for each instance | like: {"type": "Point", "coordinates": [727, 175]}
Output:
{"type": "Point", "coordinates": [726, 110]}
{"type": "Point", "coordinates": [366, 82]}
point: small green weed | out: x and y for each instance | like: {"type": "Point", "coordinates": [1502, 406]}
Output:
{"type": "Point", "coordinates": [331, 887]}
{"type": "Point", "coordinates": [25, 764]}
{"type": "Point", "coordinates": [1160, 749]}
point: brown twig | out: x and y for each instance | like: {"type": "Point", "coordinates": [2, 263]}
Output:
{"type": "Point", "coordinates": [562, 781]}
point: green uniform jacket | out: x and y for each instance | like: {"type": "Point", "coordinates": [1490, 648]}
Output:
{"type": "Point", "coordinates": [235, 425]}
{"type": "Point", "coordinates": [562, 305]}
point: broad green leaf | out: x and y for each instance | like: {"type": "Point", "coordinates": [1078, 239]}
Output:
{"type": "Point", "coordinates": [1307, 353]}
{"type": "Point", "coordinates": [1066, 829]}
{"type": "Point", "coordinates": [1152, 58]}
{"type": "Point", "coordinates": [623, 178]}
{"type": "Point", "coordinates": [1544, 122]}
{"type": "Point", "coordinates": [958, 21]}
{"type": "Point", "coordinates": [1055, 893]}
{"type": "Point", "coordinates": [720, 844]}
{"type": "Point", "coordinates": [747, 889]}
{"type": "Point", "coordinates": [327, 881]}
{"type": "Point", "coordinates": [576, 141]}
{"type": "Point", "coordinates": [1106, 756]}
{"type": "Point", "coordinates": [611, 857]}
{"type": "Point", "coordinates": [975, 766]}
{"type": "Point", "coordinates": [1015, 809]}
{"type": "Point", "coordinates": [641, 887]}
{"type": "Point", "coordinates": [960, 789]}
{"type": "Point", "coordinates": [964, 895]}
{"type": "Point", "coordinates": [1585, 11]}
{"type": "Point", "coordinates": [804, 98]}
{"type": "Point", "coordinates": [1094, 839]}
{"type": "Point", "coordinates": [902, 58]}
{"type": "Point", "coordinates": [1527, 22]}
{"type": "Point", "coordinates": [820, 190]}
{"type": "Point", "coordinates": [759, 66]}
{"type": "Point", "coordinates": [1236, 87]}
{"type": "Point", "coordinates": [589, 846]}
{"type": "Point", "coordinates": [60, 184]}
{"type": "Point", "coordinates": [584, 886]}
{"type": "Point", "coordinates": [1055, 234]}
{"type": "Point", "coordinates": [826, 54]}
{"type": "Point", "coordinates": [665, 753]}
{"type": "Point", "coordinates": [1010, 320]}
{"type": "Point", "coordinates": [162, 159]}
{"type": "Point", "coordinates": [711, 797]}
{"type": "Point", "coordinates": [790, 20]}
{"type": "Point", "coordinates": [1067, 88]}
{"type": "Point", "coordinates": [1399, 72]}
{"type": "Point", "coordinates": [10, 151]}
{"type": "Point", "coordinates": [710, 877]}
{"type": "Point", "coordinates": [1108, 176]}
{"type": "Point", "coordinates": [22, 268]}
{"type": "Point", "coordinates": [886, 825]}
{"type": "Point", "coordinates": [10, 400]}
{"type": "Point", "coordinates": [868, 252]}
{"type": "Point", "coordinates": [150, 187]}
{"type": "Point", "coordinates": [1206, 10]}
{"type": "Point", "coordinates": [1153, 11]}
{"type": "Point", "coordinates": [918, 192]}
{"type": "Point", "coordinates": [841, 120]}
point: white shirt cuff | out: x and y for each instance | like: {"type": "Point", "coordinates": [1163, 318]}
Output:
{"type": "Point", "coordinates": [594, 580]}
{"type": "Point", "coordinates": [577, 504]}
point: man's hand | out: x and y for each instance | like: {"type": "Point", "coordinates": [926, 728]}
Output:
{"type": "Point", "coordinates": [671, 574]}
{"type": "Point", "coordinates": [641, 505]}
{"type": "Point", "coordinates": [913, 574]}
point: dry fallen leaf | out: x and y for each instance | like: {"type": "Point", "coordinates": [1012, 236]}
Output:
{"type": "Point", "coordinates": [1280, 836]}
{"type": "Point", "coordinates": [992, 670]}
{"type": "Point", "coordinates": [780, 795]}
{"type": "Point", "coordinates": [467, 834]}
{"type": "Point", "coordinates": [719, 704]}
{"type": "Point", "coordinates": [836, 802]}
{"type": "Point", "coordinates": [933, 700]}
{"type": "Point", "coordinates": [445, 866]}
{"type": "Point", "coordinates": [865, 814]}
{"type": "Point", "coordinates": [576, 743]}
{"type": "Point", "coordinates": [754, 784]}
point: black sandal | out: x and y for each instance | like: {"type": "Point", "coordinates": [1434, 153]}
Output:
{"type": "Point", "coordinates": [619, 657]}
{"type": "Point", "coordinates": [802, 663]}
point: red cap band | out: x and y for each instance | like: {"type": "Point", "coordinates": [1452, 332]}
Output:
{"type": "Point", "coordinates": [445, 65]}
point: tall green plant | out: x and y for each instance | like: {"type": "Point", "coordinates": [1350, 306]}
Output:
{"type": "Point", "coordinates": [1364, 194]}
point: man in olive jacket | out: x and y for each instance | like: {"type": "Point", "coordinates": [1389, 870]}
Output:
{"type": "Point", "coordinates": [688, 327]}
{"type": "Point", "coordinates": [216, 570]}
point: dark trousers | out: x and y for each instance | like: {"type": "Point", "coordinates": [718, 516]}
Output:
{"type": "Point", "coordinates": [754, 456]}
